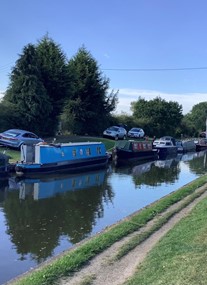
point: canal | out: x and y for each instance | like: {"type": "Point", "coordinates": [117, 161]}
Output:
{"type": "Point", "coordinates": [43, 216]}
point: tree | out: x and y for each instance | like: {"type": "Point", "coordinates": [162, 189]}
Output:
{"type": "Point", "coordinates": [162, 117]}
{"type": "Point", "coordinates": [55, 75]}
{"type": "Point", "coordinates": [27, 93]}
{"type": "Point", "coordinates": [196, 118]}
{"type": "Point", "coordinates": [39, 85]}
{"type": "Point", "coordinates": [88, 109]}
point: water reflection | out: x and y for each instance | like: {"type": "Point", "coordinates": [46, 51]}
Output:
{"type": "Point", "coordinates": [45, 209]}
{"type": "Point", "coordinates": [43, 216]}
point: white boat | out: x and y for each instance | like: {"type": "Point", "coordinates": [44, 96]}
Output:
{"type": "Point", "coordinates": [165, 146]}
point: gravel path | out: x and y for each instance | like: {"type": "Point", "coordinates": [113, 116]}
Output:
{"type": "Point", "coordinates": [102, 270]}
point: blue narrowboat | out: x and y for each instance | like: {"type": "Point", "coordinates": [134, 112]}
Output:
{"type": "Point", "coordinates": [70, 157]}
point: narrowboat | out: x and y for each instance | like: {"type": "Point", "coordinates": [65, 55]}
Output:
{"type": "Point", "coordinates": [165, 146]}
{"type": "Point", "coordinates": [70, 157]}
{"type": "Point", "coordinates": [201, 144]}
{"type": "Point", "coordinates": [184, 146]}
{"type": "Point", "coordinates": [124, 151]}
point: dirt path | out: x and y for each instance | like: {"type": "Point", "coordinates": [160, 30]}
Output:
{"type": "Point", "coordinates": [104, 271]}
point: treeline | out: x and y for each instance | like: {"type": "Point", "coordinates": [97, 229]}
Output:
{"type": "Point", "coordinates": [47, 92]}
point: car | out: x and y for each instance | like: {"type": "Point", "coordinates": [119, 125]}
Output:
{"type": "Point", "coordinates": [14, 138]}
{"type": "Point", "coordinates": [136, 133]}
{"type": "Point", "coordinates": [115, 132]}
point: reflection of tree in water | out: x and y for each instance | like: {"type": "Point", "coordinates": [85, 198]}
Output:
{"type": "Point", "coordinates": [36, 226]}
{"type": "Point", "coordinates": [158, 173]}
{"type": "Point", "coordinates": [3, 185]}
{"type": "Point", "coordinates": [199, 163]}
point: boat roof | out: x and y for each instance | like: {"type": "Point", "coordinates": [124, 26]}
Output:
{"type": "Point", "coordinates": [71, 144]}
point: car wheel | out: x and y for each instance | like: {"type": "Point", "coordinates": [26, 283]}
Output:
{"type": "Point", "coordinates": [116, 138]}
{"type": "Point", "coordinates": [124, 137]}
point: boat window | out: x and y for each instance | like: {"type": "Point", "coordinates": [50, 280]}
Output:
{"type": "Point", "coordinates": [97, 178]}
{"type": "Point", "coordinates": [81, 151]}
{"type": "Point", "coordinates": [98, 150]}
{"type": "Point", "coordinates": [144, 146]}
{"type": "Point", "coordinates": [73, 183]}
{"type": "Point", "coordinates": [87, 179]}
{"type": "Point", "coordinates": [74, 152]}
{"type": "Point", "coordinates": [88, 151]}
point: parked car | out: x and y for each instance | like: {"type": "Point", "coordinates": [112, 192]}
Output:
{"type": "Point", "coordinates": [15, 138]}
{"type": "Point", "coordinates": [136, 133]}
{"type": "Point", "coordinates": [115, 132]}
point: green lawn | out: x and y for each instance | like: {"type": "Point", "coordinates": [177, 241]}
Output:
{"type": "Point", "coordinates": [180, 257]}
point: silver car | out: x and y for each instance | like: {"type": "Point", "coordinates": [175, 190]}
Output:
{"type": "Point", "coordinates": [136, 133]}
{"type": "Point", "coordinates": [15, 138]}
{"type": "Point", "coordinates": [115, 132]}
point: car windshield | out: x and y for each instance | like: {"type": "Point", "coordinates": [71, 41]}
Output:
{"type": "Point", "coordinates": [11, 133]}
{"type": "Point", "coordinates": [114, 128]}
{"type": "Point", "coordinates": [135, 130]}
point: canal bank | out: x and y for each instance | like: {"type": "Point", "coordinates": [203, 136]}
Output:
{"type": "Point", "coordinates": [130, 233]}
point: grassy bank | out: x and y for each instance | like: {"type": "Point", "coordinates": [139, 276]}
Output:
{"type": "Point", "coordinates": [180, 257]}
{"type": "Point", "coordinates": [74, 259]}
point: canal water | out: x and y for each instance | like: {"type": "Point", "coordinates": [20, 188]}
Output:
{"type": "Point", "coordinates": [43, 216]}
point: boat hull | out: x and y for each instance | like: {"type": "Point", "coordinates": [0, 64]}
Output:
{"type": "Point", "coordinates": [165, 151]}
{"type": "Point", "coordinates": [68, 166]}
{"type": "Point", "coordinates": [201, 144]}
{"type": "Point", "coordinates": [123, 154]}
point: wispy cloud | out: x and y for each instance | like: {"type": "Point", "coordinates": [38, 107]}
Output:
{"type": "Point", "coordinates": [187, 100]}
{"type": "Point", "coordinates": [106, 55]}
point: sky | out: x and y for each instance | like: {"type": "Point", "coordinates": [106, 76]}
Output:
{"type": "Point", "coordinates": [146, 48]}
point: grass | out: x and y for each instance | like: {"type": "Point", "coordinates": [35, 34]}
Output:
{"type": "Point", "coordinates": [78, 257]}
{"type": "Point", "coordinates": [14, 155]}
{"type": "Point", "coordinates": [180, 257]}
{"type": "Point", "coordinates": [136, 240]}
{"type": "Point", "coordinates": [87, 280]}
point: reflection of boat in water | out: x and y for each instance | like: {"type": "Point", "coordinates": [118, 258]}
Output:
{"type": "Point", "coordinates": [142, 168]}
{"type": "Point", "coordinates": [168, 161]}
{"type": "Point", "coordinates": [49, 186]}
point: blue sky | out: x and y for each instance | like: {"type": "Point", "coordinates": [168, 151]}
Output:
{"type": "Point", "coordinates": [129, 39]}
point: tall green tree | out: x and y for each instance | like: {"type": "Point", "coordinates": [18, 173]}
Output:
{"type": "Point", "coordinates": [39, 85]}
{"type": "Point", "coordinates": [55, 75]}
{"type": "Point", "coordinates": [162, 117]}
{"type": "Point", "coordinates": [27, 93]}
{"type": "Point", "coordinates": [88, 110]}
